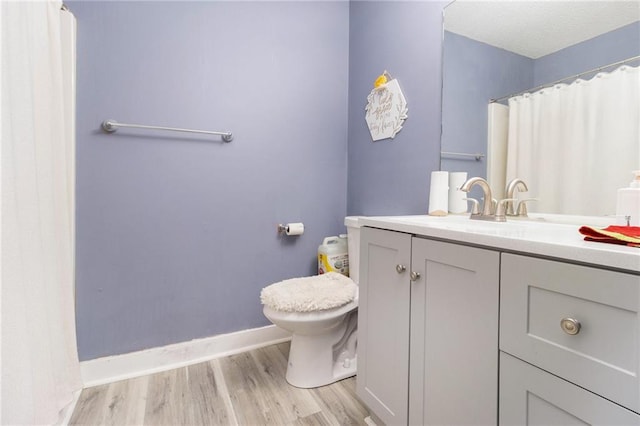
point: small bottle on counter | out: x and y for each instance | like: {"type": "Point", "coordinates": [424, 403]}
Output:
{"type": "Point", "coordinates": [628, 202]}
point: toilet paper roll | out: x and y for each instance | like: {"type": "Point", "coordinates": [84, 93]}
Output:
{"type": "Point", "coordinates": [294, 228]}
{"type": "Point", "coordinates": [439, 194]}
{"type": "Point", "coordinates": [457, 202]}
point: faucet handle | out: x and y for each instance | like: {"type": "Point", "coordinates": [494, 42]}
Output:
{"type": "Point", "coordinates": [494, 205]}
{"type": "Point", "coordinates": [522, 207]}
{"type": "Point", "coordinates": [475, 209]}
{"type": "Point", "coordinates": [502, 208]}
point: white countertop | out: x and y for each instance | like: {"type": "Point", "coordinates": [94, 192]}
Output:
{"type": "Point", "coordinates": [545, 236]}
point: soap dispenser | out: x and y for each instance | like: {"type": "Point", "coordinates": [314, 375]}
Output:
{"type": "Point", "coordinates": [628, 205]}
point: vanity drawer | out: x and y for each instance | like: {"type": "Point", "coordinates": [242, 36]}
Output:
{"type": "Point", "coordinates": [603, 356]}
{"type": "Point", "coordinates": [531, 396]}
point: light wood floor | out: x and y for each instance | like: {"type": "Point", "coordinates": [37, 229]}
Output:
{"type": "Point", "coordinates": [243, 389]}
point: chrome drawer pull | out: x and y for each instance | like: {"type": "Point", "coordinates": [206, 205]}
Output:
{"type": "Point", "coordinates": [400, 268]}
{"type": "Point", "coordinates": [570, 326]}
{"type": "Point", "coordinates": [414, 276]}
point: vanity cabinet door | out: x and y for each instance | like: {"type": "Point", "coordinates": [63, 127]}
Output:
{"type": "Point", "coordinates": [531, 396]}
{"type": "Point", "coordinates": [454, 335]}
{"type": "Point", "coordinates": [383, 324]}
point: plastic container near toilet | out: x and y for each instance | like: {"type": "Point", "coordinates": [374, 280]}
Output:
{"type": "Point", "coordinates": [333, 255]}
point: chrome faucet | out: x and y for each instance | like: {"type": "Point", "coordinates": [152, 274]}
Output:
{"type": "Point", "coordinates": [487, 202]}
{"type": "Point", "coordinates": [518, 184]}
{"type": "Point", "coordinates": [491, 209]}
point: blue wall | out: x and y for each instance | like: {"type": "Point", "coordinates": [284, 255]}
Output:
{"type": "Point", "coordinates": [176, 234]}
{"type": "Point", "coordinates": [392, 176]}
{"type": "Point", "coordinates": [474, 73]}
{"type": "Point", "coordinates": [606, 49]}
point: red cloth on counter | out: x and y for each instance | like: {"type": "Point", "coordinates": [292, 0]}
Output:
{"type": "Point", "coordinates": [628, 235]}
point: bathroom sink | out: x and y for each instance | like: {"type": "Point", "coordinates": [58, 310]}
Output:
{"type": "Point", "coordinates": [512, 221]}
{"type": "Point", "coordinates": [464, 224]}
{"type": "Point", "coordinates": [564, 219]}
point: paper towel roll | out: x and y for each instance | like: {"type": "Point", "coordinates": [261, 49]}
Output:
{"type": "Point", "coordinates": [457, 204]}
{"type": "Point", "coordinates": [296, 228]}
{"type": "Point", "coordinates": [439, 194]}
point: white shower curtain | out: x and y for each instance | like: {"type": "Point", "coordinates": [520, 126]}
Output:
{"type": "Point", "coordinates": [576, 144]}
{"type": "Point", "coordinates": [40, 369]}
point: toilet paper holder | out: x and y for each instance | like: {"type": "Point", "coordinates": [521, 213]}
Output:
{"type": "Point", "coordinates": [290, 228]}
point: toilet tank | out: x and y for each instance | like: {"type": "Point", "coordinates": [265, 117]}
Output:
{"type": "Point", "coordinates": [353, 233]}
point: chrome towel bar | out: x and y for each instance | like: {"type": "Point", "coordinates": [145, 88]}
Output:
{"type": "Point", "coordinates": [111, 126]}
{"type": "Point", "coordinates": [476, 156]}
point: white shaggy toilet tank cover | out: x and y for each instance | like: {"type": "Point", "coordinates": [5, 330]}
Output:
{"type": "Point", "coordinates": [309, 294]}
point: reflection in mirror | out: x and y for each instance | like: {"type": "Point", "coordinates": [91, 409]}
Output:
{"type": "Point", "coordinates": [496, 49]}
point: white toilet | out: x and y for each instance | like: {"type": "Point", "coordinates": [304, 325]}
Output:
{"type": "Point", "coordinates": [324, 340]}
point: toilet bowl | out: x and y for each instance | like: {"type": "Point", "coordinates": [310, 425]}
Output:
{"type": "Point", "coordinates": [324, 340]}
{"type": "Point", "coordinates": [323, 344]}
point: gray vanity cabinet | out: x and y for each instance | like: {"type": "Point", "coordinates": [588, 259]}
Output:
{"type": "Point", "coordinates": [431, 312]}
{"type": "Point", "coordinates": [428, 330]}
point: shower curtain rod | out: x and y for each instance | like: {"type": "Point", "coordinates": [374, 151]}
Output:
{"type": "Point", "coordinates": [624, 61]}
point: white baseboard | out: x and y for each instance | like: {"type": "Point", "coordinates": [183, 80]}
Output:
{"type": "Point", "coordinates": [135, 364]}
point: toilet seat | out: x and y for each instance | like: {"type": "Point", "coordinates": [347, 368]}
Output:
{"type": "Point", "coordinates": [322, 315]}
{"type": "Point", "coordinates": [313, 294]}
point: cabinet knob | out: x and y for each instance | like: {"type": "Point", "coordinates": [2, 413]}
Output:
{"type": "Point", "coordinates": [414, 276]}
{"type": "Point", "coordinates": [570, 326]}
{"type": "Point", "coordinates": [400, 268]}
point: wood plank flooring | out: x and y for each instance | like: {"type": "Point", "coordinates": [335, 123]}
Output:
{"type": "Point", "coordinates": [244, 389]}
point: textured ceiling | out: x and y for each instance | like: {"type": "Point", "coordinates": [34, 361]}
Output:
{"type": "Point", "coordinates": [537, 28]}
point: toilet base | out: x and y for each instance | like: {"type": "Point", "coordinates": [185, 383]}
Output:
{"type": "Point", "coordinates": [320, 360]}
{"type": "Point", "coordinates": [308, 367]}
{"type": "Point", "coordinates": [323, 344]}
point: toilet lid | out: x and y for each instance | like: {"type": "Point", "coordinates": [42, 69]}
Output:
{"type": "Point", "coordinates": [309, 294]}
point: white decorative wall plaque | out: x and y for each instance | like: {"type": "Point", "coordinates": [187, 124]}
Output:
{"type": "Point", "coordinates": [386, 110]}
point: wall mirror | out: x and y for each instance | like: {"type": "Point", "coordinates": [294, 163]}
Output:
{"type": "Point", "coordinates": [493, 49]}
